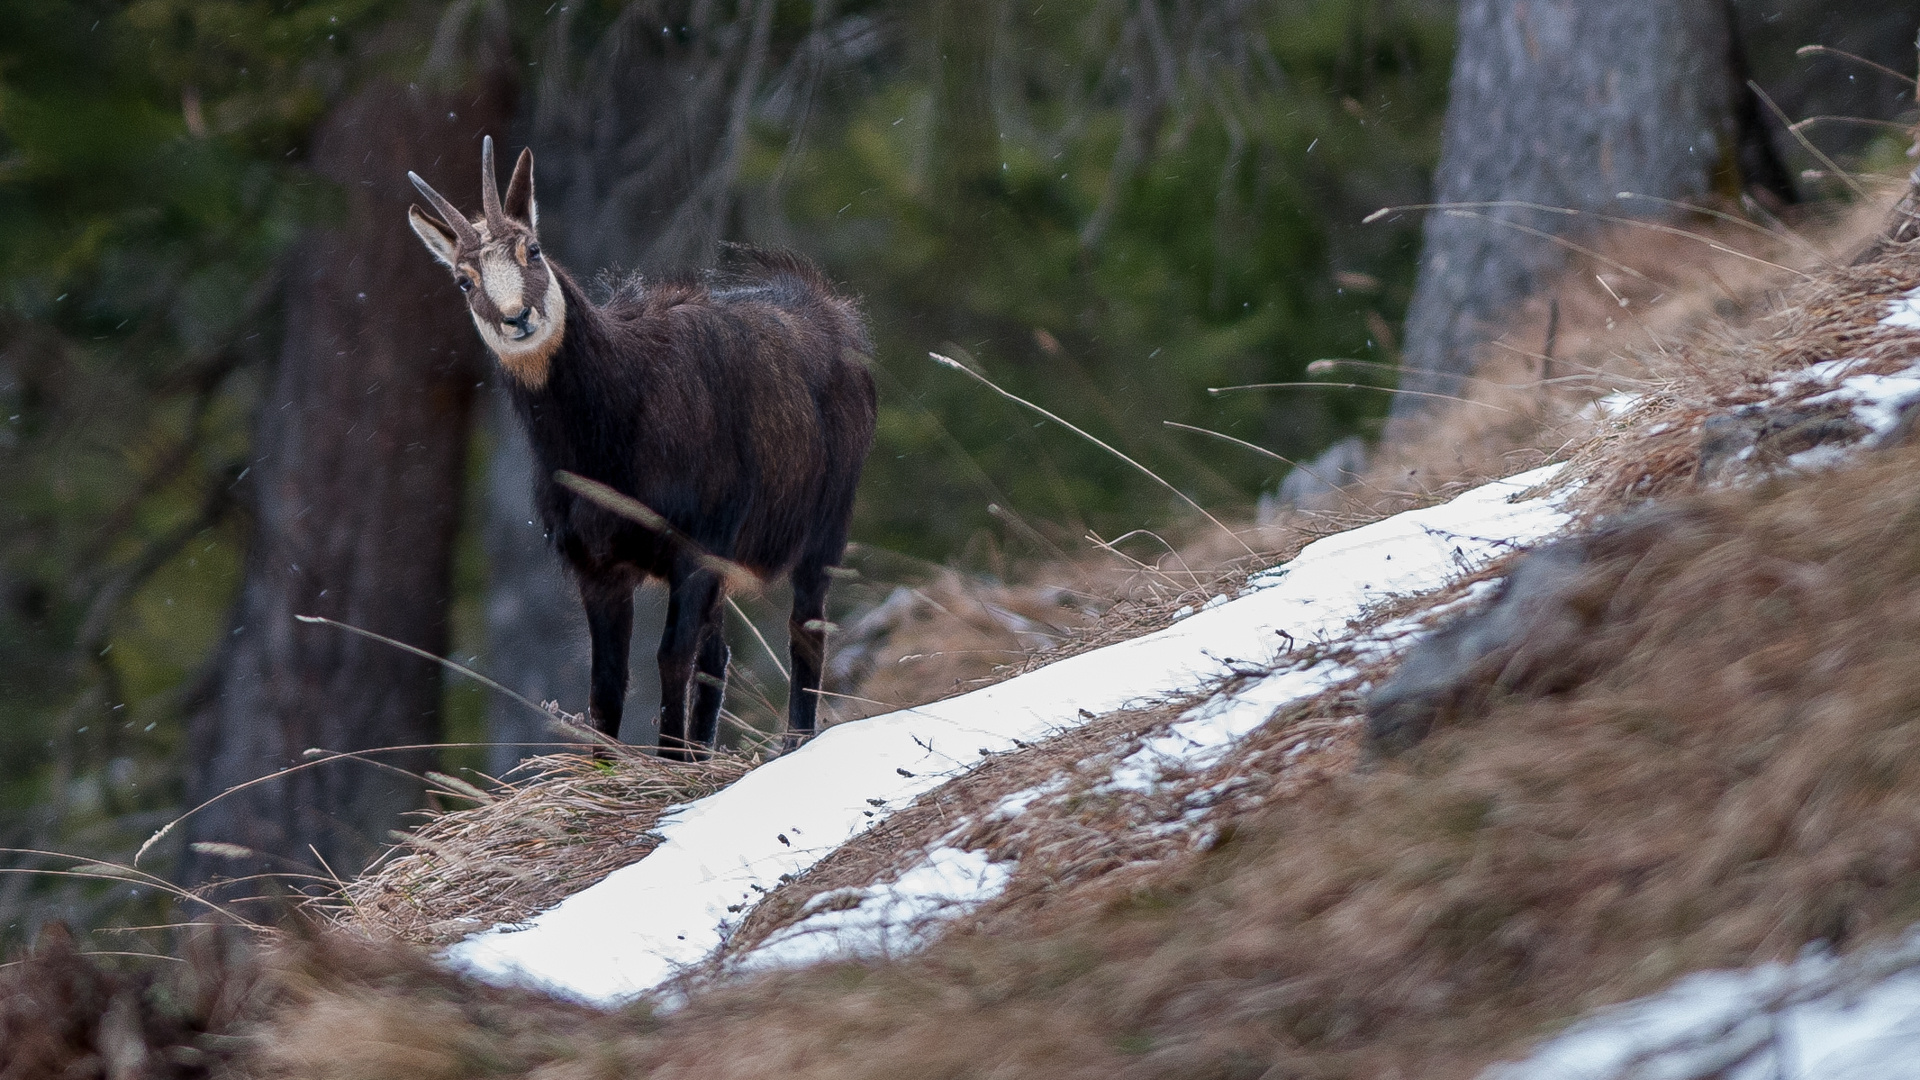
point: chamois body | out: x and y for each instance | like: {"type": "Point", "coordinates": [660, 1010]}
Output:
{"type": "Point", "coordinates": [739, 409]}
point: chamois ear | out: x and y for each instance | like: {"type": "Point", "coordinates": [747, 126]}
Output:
{"type": "Point", "coordinates": [519, 202]}
{"type": "Point", "coordinates": [438, 238]}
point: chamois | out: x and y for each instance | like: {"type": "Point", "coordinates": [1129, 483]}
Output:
{"type": "Point", "coordinates": [737, 411]}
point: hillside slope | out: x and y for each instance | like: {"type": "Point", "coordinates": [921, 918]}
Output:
{"type": "Point", "coordinates": [1695, 747]}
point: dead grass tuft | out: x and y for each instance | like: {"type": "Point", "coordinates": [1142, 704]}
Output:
{"type": "Point", "coordinates": [567, 821]}
{"type": "Point", "coordinates": [1834, 316]}
{"type": "Point", "coordinates": [69, 1013]}
{"type": "Point", "coordinates": [346, 1008]}
{"type": "Point", "coordinates": [948, 633]}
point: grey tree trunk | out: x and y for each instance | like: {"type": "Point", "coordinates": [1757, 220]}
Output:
{"type": "Point", "coordinates": [359, 461]}
{"type": "Point", "coordinates": [1566, 103]}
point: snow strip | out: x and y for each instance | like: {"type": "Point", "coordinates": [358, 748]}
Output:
{"type": "Point", "coordinates": [1820, 1016]}
{"type": "Point", "coordinates": [1877, 402]}
{"type": "Point", "coordinates": [1207, 730]}
{"type": "Point", "coordinates": [887, 919]}
{"type": "Point", "coordinates": [1875, 399]}
{"type": "Point", "coordinates": [1904, 311]}
{"type": "Point", "coordinates": [669, 910]}
{"type": "Point", "coordinates": [1204, 733]}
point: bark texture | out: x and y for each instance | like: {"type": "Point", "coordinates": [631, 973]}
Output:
{"type": "Point", "coordinates": [360, 456]}
{"type": "Point", "coordinates": [1565, 104]}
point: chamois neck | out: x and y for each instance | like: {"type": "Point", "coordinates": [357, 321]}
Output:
{"type": "Point", "coordinates": [584, 324]}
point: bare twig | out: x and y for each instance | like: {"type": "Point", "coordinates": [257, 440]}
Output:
{"type": "Point", "coordinates": [1155, 477]}
{"type": "Point", "coordinates": [1804, 141]}
{"type": "Point", "coordinates": [1358, 386]}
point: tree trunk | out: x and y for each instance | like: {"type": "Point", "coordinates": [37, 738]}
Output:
{"type": "Point", "coordinates": [360, 454]}
{"type": "Point", "coordinates": [1565, 104]}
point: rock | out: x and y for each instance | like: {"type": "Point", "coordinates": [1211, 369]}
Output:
{"type": "Point", "coordinates": [1339, 465]}
{"type": "Point", "coordinates": [1765, 436]}
{"type": "Point", "coordinates": [1459, 663]}
{"type": "Point", "coordinates": [1527, 641]}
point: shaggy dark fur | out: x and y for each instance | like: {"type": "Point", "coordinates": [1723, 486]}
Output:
{"type": "Point", "coordinates": [742, 414]}
{"type": "Point", "coordinates": [739, 408]}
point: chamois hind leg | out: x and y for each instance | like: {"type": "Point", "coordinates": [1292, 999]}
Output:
{"type": "Point", "coordinates": [710, 681]}
{"type": "Point", "coordinates": [693, 595]}
{"type": "Point", "coordinates": [807, 634]}
{"type": "Point", "coordinates": [609, 605]}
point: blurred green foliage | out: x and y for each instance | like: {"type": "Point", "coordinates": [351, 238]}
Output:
{"type": "Point", "coordinates": [980, 201]}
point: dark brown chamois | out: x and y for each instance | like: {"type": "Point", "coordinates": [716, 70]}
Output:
{"type": "Point", "coordinates": [739, 410]}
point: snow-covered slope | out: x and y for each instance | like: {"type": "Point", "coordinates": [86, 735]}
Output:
{"type": "Point", "coordinates": [674, 907]}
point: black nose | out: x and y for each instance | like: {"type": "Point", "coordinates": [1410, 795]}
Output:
{"type": "Point", "coordinates": [519, 322]}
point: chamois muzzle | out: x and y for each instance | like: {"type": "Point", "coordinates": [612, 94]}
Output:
{"type": "Point", "coordinates": [521, 322]}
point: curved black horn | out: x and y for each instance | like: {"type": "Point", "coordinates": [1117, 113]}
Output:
{"type": "Point", "coordinates": [489, 189]}
{"type": "Point", "coordinates": [455, 220]}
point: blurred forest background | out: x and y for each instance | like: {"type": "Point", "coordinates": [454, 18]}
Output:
{"type": "Point", "coordinates": [1108, 206]}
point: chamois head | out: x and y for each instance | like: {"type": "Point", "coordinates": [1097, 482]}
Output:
{"type": "Point", "coordinates": [513, 294]}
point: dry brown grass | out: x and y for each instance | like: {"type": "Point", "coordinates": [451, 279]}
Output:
{"type": "Point", "coordinates": [71, 1014]}
{"type": "Point", "coordinates": [948, 633]}
{"type": "Point", "coordinates": [1835, 316]}
{"type": "Point", "coordinates": [1424, 917]}
{"type": "Point", "coordinates": [348, 1009]}
{"type": "Point", "coordinates": [557, 825]}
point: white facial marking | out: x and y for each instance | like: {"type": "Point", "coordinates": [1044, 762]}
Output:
{"type": "Point", "coordinates": [526, 359]}
{"type": "Point", "coordinates": [501, 278]}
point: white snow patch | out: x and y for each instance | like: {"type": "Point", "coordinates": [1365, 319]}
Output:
{"type": "Point", "coordinates": [1205, 731]}
{"type": "Point", "coordinates": [1189, 609]}
{"type": "Point", "coordinates": [1818, 1016]}
{"type": "Point", "coordinates": [669, 910]}
{"type": "Point", "coordinates": [1904, 311]}
{"type": "Point", "coordinates": [1875, 399]}
{"type": "Point", "coordinates": [1613, 406]}
{"type": "Point", "coordinates": [1826, 371]}
{"type": "Point", "coordinates": [885, 919]}
{"type": "Point", "coordinates": [1016, 804]}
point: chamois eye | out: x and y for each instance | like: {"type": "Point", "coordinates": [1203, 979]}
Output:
{"type": "Point", "coordinates": [533, 251]}
{"type": "Point", "coordinates": [465, 283]}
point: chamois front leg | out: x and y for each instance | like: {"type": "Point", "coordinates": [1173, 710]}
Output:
{"type": "Point", "coordinates": [807, 635]}
{"type": "Point", "coordinates": [710, 681]}
{"type": "Point", "coordinates": [609, 605]}
{"type": "Point", "coordinates": [693, 595]}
